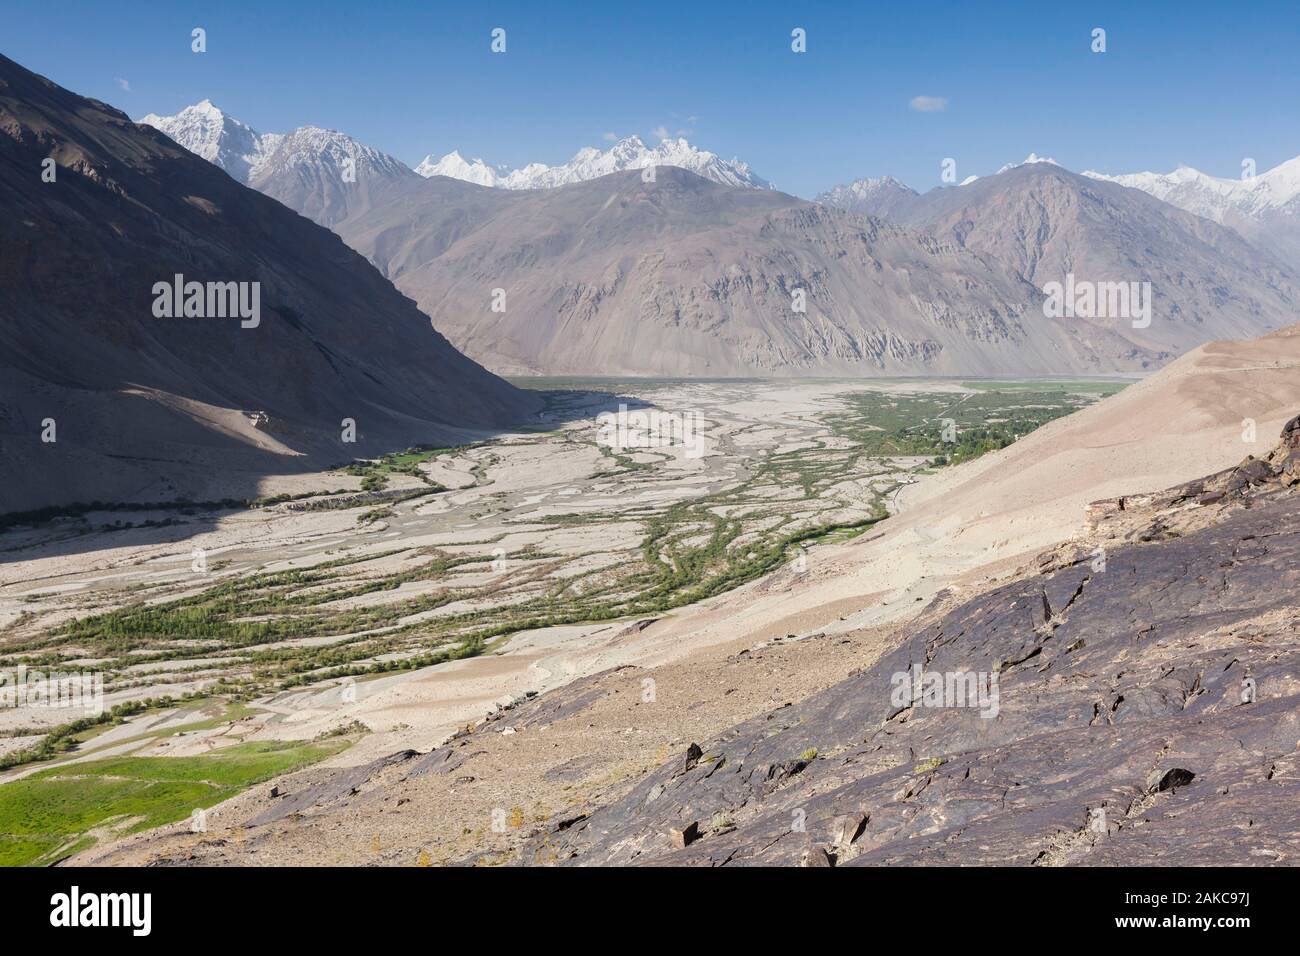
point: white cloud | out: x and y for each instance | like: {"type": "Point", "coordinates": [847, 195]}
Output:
{"type": "Point", "coordinates": [610, 137]}
{"type": "Point", "coordinates": [660, 132]}
{"type": "Point", "coordinates": [124, 84]}
{"type": "Point", "coordinates": [928, 104]}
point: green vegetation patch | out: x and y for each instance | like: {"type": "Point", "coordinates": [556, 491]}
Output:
{"type": "Point", "coordinates": [374, 473]}
{"type": "Point", "coordinates": [950, 428]}
{"type": "Point", "coordinates": [52, 809]}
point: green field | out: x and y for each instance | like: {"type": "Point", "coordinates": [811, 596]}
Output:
{"type": "Point", "coordinates": [374, 473]}
{"type": "Point", "coordinates": [51, 813]}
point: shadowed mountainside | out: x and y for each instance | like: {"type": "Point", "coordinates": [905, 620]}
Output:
{"type": "Point", "coordinates": [156, 409]}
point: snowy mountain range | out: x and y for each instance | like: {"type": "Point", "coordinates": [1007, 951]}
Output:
{"type": "Point", "coordinates": [311, 169]}
{"type": "Point", "coordinates": [592, 163]}
{"type": "Point", "coordinates": [701, 286]}
{"type": "Point", "coordinates": [251, 157]}
{"type": "Point", "coordinates": [1216, 198]}
{"type": "Point", "coordinates": [1266, 206]}
{"type": "Point", "coordinates": [885, 195]}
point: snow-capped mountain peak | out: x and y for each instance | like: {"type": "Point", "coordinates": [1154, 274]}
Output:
{"type": "Point", "coordinates": [872, 196]}
{"type": "Point", "coordinates": [457, 167]}
{"type": "Point", "coordinates": [1030, 160]}
{"type": "Point", "coordinates": [628, 149]}
{"type": "Point", "coordinates": [312, 146]}
{"type": "Point", "coordinates": [248, 156]}
{"type": "Point", "coordinates": [208, 132]}
{"type": "Point", "coordinates": [591, 163]}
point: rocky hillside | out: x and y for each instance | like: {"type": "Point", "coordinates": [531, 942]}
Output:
{"type": "Point", "coordinates": [687, 277]}
{"type": "Point", "coordinates": [682, 276]}
{"type": "Point", "coordinates": [99, 211]}
{"type": "Point", "coordinates": [1132, 702]}
{"type": "Point", "coordinates": [1047, 223]}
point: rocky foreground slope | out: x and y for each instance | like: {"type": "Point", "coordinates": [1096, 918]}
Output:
{"type": "Point", "coordinates": [1138, 702]}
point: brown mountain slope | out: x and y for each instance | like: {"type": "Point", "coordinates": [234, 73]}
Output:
{"type": "Point", "coordinates": [1046, 222]}
{"type": "Point", "coordinates": [682, 276]}
{"type": "Point", "coordinates": [687, 277]}
{"type": "Point", "coordinates": [150, 408]}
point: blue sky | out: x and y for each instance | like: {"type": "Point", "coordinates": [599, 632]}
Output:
{"type": "Point", "coordinates": [1201, 84]}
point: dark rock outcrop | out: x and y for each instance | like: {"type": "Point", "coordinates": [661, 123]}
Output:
{"type": "Point", "coordinates": [329, 792]}
{"type": "Point", "coordinates": [1133, 703]}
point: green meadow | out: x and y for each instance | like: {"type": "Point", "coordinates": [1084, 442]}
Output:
{"type": "Point", "coordinates": [55, 812]}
